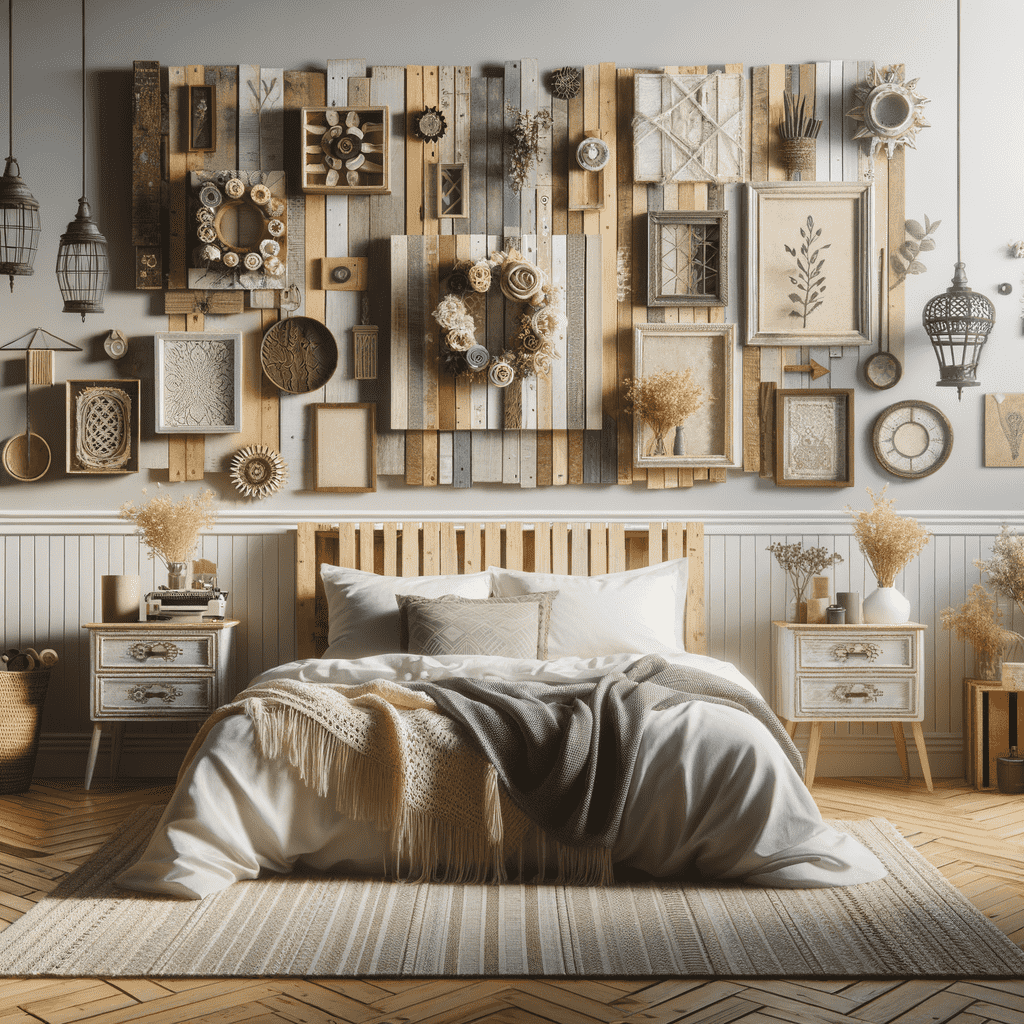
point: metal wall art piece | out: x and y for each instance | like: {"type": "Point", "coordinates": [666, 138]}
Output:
{"type": "Point", "coordinates": [345, 150]}
{"type": "Point", "coordinates": [688, 258]}
{"type": "Point", "coordinates": [670, 360]}
{"type": "Point", "coordinates": [257, 471]}
{"type": "Point", "coordinates": [814, 437]}
{"type": "Point", "coordinates": [198, 382]}
{"type": "Point", "coordinates": [299, 354]}
{"type": "Point", "coordinates": [1004, 430]}
{"type": "Point", "coordinates": [239, 224]}
{"type": "Point", "coordinates": [809, 263]}
{"type": "Point", "coordinates": [890, 109]}
{"type": "Point", "coordinates": [102, 422]}
{"type": "Point", "coordinates": [690, 128]}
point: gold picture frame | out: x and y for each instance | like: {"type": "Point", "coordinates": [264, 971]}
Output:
{"type": "Point", "coordinates": [349, 427]}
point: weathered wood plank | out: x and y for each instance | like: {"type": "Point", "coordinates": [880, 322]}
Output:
{"type": "Point", "coordinates": [146, 174]}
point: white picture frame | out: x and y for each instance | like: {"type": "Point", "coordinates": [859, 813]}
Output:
{"type": "Point", "coordinates": [787, 305]}
{"type": "Point", "coordinates": [198, 382]}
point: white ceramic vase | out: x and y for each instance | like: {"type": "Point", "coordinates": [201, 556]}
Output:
{"type": "Point", "coordinates": [885, 605]}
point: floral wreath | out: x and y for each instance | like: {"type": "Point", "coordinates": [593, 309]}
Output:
{"type": "Point", "coordinates": [541, 323]}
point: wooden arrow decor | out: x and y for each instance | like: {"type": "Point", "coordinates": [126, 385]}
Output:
{"type": "Point", "coordinates": [816, 370]}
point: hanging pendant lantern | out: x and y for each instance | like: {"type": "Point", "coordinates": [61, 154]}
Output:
{"type": "Point", "coordinates": [959, 321]}
{"type": "Point", "coordinates": [19, 211]}
{"type": "Point", "coordinates": [83, 266]}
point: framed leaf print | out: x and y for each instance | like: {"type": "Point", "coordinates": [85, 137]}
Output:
{"type": "Point", "coordinates": [809, 263]}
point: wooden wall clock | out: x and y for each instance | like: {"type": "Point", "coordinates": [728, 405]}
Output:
{"type": "Point", "coordinates": [912, 439]}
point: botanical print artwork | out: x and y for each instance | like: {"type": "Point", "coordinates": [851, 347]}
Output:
{"type": "Point", "coordinates": [1004, 430]}
{"type": "Point", "coordinates": [809, 281]}
{"type": "Point", "coordinates": [199, 383]}
{"type": "Point", "coordinates": [815, 429]}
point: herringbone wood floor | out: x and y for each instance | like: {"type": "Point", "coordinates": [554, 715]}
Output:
{"type": "Point", "coordinates": [975, 839]}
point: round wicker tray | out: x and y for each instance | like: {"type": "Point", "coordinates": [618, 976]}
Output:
{"type": "Point", "coordinates": [299, 354]}
{"type": "Point", "coordinates": [22, 695]}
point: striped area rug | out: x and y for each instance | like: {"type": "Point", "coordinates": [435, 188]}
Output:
{"type": "Point", "coordinates": [911, 924]}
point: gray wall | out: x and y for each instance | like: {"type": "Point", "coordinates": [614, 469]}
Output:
{"type": "Point", "coordinates": [306, 33]}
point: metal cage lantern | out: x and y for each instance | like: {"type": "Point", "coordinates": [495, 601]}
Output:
{"type": "Point", "coordinates": [958, 322]}
{"type": "Point", "coordinates": [83, 266]}
{"type": "Point", "coordinates": [20, 224]}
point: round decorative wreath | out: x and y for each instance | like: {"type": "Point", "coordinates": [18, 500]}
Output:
{"type": "Point", "coordinates": [258, 471]}
{"type": "Point", "coordinates": [541, 322]}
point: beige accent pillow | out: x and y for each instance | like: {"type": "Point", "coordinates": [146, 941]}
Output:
{"type": "Point", "coordinates": [508, 627]}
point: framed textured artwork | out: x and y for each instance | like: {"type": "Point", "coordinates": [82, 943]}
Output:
{"type": "Point", "coordinates": [682, 395]}
{"type": "Point", "coordinates": [687, 258]}
{"type": "Point", "coordinates": [1004, 430]}
{"type": "Point", "coordinates": [345, 150]}
{"type": "Point", "coordinates": [345, 446]}
{"type": "Point", "coordinates": [814, 437]}
{"type": "Point", "coordinates": [102, 426]}
{"type": "Point", "coordinates": [690, 128]}
{"type": "Point", "coordinates": [202, 118]}
{"type": "Point", "coordinates": [198, 382]}
{"type": "Point", "coordinates": [809, 263]}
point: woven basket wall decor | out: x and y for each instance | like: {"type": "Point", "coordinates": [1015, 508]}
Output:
{"type": "Point", "coordinates": [22, 695]}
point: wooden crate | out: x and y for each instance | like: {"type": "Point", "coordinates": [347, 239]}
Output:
{"type": "Point", "coordinates": [992, 722]}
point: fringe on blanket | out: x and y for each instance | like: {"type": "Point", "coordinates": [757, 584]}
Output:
{"type": "Point", "coordinates": [423, 847]}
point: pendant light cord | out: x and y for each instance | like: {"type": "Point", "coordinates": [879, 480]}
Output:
{"type": "Point", "coordinates": [10, 79]}
{"type": "Point", "coordinates": [83, 96]}
{"type": "Point", "coordinates": [958, 37]}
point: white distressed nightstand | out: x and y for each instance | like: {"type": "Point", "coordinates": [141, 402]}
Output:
{"type": "Point", "coordinates": [155, 671]}
{"type": "Point", "coordinates": [862, 673]}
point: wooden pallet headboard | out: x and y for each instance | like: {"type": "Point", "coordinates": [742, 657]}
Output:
{"type": "Point", "coordinates": [432, 548]}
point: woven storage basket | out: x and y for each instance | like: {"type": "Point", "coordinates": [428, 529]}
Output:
{"type": "Point", "coordinates": [22, 695]}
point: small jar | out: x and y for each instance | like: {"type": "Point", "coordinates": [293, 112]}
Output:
{"type": "Point", "coordinates": [835, 615]}
{"type": "Point", "coordinates": [1010, 772]}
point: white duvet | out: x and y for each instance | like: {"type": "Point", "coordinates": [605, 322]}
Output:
{"type": "Point", "coordinates": [712, 794]}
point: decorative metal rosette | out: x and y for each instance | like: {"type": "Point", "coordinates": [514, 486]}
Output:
{"type": "Point", "coordinates": [566, 82]}
{"type": "Point", "coordinates": [429, 125]}
{"type": "Point", "coordinates": [257, 471]}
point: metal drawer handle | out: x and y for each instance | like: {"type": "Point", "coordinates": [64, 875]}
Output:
{"type": "Point", "coordinates": [157, 649]}
{"type": "Point", "coordinates": [846, 692]}
{"type": "Point", "coordinates": [141, 694]}
{"type": "Point", "coordinates": [861, 650]}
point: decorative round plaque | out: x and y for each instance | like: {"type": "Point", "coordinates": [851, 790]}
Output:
{"type": "Point", "coordinates": [299, 354]}
{"type": "Point", "coordinates": [257, 471]}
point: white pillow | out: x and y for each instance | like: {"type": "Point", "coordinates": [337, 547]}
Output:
{"type": "Point", "coordinates": [362, 610]}
{"type": "Point", "coordinates": [636, 612]}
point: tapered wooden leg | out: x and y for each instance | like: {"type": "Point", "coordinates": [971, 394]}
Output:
{"type": "Point", "coordinates": [790, 728]}
{"type": "Point", "coordinates": [94, 749]}
{"type": "Point", "coordinates": [812, 754]}
{"type": "Point", "coordinates": [901, 749]}
{"type": "Point", "coordinates": [115, 749]}
{"type": "Point", "coordinates": [922, 752]}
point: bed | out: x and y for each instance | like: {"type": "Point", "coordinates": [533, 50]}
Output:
{"type": "Point", "coordinates": [385, 746]}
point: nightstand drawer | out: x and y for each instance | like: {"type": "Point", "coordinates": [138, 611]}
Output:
{"type": "Point", "coordinates": [856, 696]}
{"type": "Point", "coordinates": [156, 650]}
{"type": "Point", "coordinates": [867, 650]}
{"type": "Point", "coordinates": [131, 695]}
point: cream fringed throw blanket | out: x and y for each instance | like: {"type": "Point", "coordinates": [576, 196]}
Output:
{"type": "Point", "coordinates": [460, 789]}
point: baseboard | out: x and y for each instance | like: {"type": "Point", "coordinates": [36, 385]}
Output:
{"type": "Point", "coordinates": [875, 756]}
{"type": "Point", "coordinates": [65, 755]}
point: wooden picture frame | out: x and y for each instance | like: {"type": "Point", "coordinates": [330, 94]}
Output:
{"type": "Point", "coordinates": [790, 225]}
{"type": "Point", "coordinates": [814, 437]}
{"type": "Point", "coordinates": [336, 161]}
{"type": "Point", "coordinates": [102, 426]}
{"type": "Point", "coordinates": [708, 351]}
{"type": "Point", "coordinates": [198, 382]}
{"type": "Point", "coordinates": [349, 427]}
{"type": "Point", "coordinates": [687, 258]}
{"type": "Point", "coordinates": [1004, 430]}
{"type": "Point", "coordinates": [202, 119]}
{"type": "Point", "coordinates": [453, 190]}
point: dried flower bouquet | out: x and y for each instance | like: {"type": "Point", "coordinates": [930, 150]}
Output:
{"type": "Point", "coordinates": [802, 564]}
{"type": "Point", "coordinates": [889, 542]}
{"type": "Point", "coordinates": [172, 530]}
{"type": "Point", "coordinates": [1006, 566]}
{"type": "Point", "coordinates": [664, 401]}
{"type": "Point", "coordinates": [978, 622]}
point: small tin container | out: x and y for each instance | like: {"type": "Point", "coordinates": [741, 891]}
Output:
{"type": "Point", "coordinates": [1010, 772]}
{"type": "Point", "coordinates": [835, 615]}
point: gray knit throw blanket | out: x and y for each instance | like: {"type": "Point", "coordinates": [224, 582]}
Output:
{"type": "Point", "coordinates": [565, 753]}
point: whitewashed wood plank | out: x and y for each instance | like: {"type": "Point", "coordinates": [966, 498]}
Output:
{"type": "Point", "coordinates": [594, 333]}
{"type": "Point", "coordinates": [851, 149]}
{"type": "Point", "coordinates": [249, 90]}
{"type": "Point", "coordinates": [823, 111]}
{"type": "Point", "coordinates": [835, 121]}
{"type": "Point", "coordinates": [445, 457]}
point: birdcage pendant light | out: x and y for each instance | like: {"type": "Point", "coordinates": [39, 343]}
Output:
{"type": "Point", "coordinates": [19, 211]}
{"type": "Point", "coordinates": [959, 321]}
{"type": "Point", "coordinates": [83, 266]}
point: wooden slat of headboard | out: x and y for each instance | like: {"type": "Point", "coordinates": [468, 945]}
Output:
{"type": "Point", "coordinates": [412, 549]}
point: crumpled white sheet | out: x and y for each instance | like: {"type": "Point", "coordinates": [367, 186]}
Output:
{"type": "Point", "coordinates": [712, 794]}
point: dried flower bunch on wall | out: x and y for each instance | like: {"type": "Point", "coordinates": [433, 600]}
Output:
{"type": "Point", "coordinates": [524, 135]}
{"type": "Point", "coordinates": [889, 542]}
{"type": "Point", "coordinates": [664, 401]}
{"type": "Point", "coordinates": [171, 530]}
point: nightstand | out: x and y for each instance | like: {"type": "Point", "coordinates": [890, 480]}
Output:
{"type": "Point", "coordinates": [863, 673]}
{"type": "Point", "coordinates": [155, 671]}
